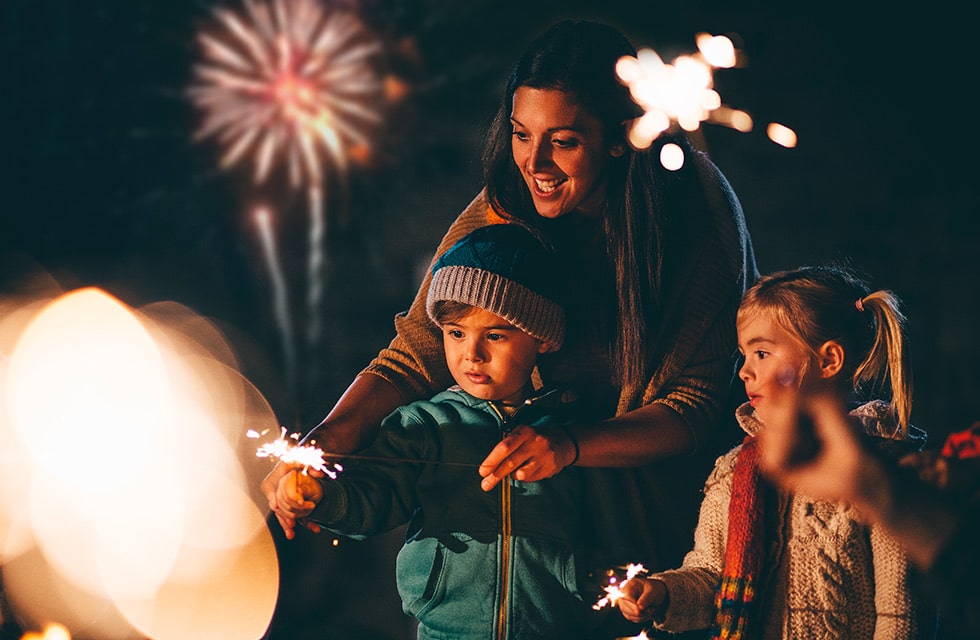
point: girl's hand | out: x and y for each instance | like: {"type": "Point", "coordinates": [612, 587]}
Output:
{"type": "Point", "coordinates": [642, 599]}
{"type": "Point", "coordinates": [530, 454]}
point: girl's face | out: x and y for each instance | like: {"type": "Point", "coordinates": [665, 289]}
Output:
{"type": "Point", "coordinates": [489, 357]}
{"type": "Point", "coordinates": [560, 150]}
{"type": "Point", "coordinates": [773, 362]}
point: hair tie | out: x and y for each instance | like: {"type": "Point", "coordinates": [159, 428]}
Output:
{"type": "Point", "coordinates": [859, 304]}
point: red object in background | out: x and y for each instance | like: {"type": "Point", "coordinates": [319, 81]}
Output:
{"type": "Point", "coordinates": [963, 444]}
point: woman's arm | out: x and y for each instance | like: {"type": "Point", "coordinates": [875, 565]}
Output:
{"type": "Point", "coordinates": [631, 439]}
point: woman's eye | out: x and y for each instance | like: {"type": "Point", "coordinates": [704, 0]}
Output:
{"type": "Point", "coordinates": [520, 135]}
{"type": "Point", "coordinates": [563, 143]}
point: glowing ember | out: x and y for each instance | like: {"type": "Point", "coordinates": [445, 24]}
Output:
{"type": "Point", "coordinates": [306, 455]}
{"type": "Point", "coordinates": [288, 80]}
{"type": "Point", "coordinates": [613, 590]}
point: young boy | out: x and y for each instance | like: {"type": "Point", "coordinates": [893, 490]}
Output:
{"type": "Point", "coordinates": [476, 564]}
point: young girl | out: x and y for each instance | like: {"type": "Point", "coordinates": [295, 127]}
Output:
{"type": "Point", "coordinates": [767, 564]}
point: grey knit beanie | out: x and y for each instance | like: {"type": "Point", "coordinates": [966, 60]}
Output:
{"type": "Point", "coordinates": [505, 270]}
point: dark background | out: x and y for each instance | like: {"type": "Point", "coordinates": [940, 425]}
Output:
{"type": "Point", "coordinates": [103, 185]}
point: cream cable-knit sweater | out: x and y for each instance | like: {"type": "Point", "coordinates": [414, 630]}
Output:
{"type": "Point", "coordinates": [829, 575]}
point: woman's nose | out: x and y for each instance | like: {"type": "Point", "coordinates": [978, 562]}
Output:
{"type": "Point", "coordinates": [538, 158]}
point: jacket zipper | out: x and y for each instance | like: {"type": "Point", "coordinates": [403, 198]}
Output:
{"type": "Point", "coordinates": [505, 543]}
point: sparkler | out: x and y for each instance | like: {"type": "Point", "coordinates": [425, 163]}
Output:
{"type": "Point", "coordinates": [307, 455]}
{"type": "Point", "coordinates": [290, 83]}
{"type": "Point", "coordinates": [312, 456]}
{"type": "Point", "coordinates": [614, 590]}
{"type": "Point", "coordinates": [683, 93]}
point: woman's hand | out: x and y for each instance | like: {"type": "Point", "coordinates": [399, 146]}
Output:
{"type": "Point", "coordinates": [530, 454]}
{"type": "Point", "coordinates": [642, 599]}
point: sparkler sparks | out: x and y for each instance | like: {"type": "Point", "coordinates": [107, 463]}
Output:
{"type": "Point", "coordinates": [306, 455]}
{"type": "Point", "coordinates": [683, 93]}
{"type": "Point", "coordinates": [613, 589]}
{"type": "Point", "coordinates": [290, 82]}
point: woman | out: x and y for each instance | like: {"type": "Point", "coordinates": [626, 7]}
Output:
{"type": "Point", "coordinates": [659, 262]}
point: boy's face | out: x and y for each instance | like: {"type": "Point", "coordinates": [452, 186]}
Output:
{"type": "Point", "coordinates": [489, 357]}
{"type": "Point", "coordinates": [773, 361]}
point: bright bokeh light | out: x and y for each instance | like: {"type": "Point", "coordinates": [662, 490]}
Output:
{"type": "Point", "coordinates": [133, 515]}
{"type": "Point", "coordinates": [718, 51]}
{"type": "Point", "coordinates": [672, 157]}
{"type": "Point", "coordinates": [781, 134]}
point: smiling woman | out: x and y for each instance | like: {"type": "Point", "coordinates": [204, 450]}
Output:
{"type": "Point", "coordinates": [656, 263]}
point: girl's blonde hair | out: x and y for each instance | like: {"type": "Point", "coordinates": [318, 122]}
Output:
{"type": "Point", "coordinates": [817, 304]}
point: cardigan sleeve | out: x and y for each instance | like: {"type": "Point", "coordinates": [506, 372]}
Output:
{"type": "Point", "coordinates": [895, 606]}
{"type": "Point", "coordinates": [414, 361]}
{"type": "Point", "coordinates": [692, 587]}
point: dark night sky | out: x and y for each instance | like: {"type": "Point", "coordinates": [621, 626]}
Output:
{"type": "Point", "coordinates": [102, 184]}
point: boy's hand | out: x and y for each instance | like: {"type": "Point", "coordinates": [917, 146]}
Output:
{"type": "Point", "coordinates": [642, 599]}
{"type": "Point", "coordinates": [531, 455]}
{"type": "Point", "coordinates": [297, 494]}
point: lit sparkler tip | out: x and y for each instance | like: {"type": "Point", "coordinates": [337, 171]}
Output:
{"type": "Point", "coordinates": [613, 589]}
{"type": "Point", "coordinates": [308, 456]}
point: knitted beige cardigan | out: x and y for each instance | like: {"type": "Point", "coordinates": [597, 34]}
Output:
{"type": "Point", "coordinates": [829, 577]}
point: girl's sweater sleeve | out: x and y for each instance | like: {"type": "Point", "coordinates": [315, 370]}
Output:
{"type": "Point", "coordinates": [895, 606]}
{"type": "Point", "coordinates": [691, 589]}
{"type": "Point", "coordinates": [414, 361]}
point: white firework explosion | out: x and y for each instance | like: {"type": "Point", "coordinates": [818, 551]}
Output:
{"type": "Point", "coordinates": [288, 82]}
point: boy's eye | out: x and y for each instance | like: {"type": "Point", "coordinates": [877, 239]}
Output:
{"type": "Point", "coordinates": [493, 337]}
{"type": "Point", "coordinates": [761, 355]}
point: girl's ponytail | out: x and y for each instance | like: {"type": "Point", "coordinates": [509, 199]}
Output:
{"type": "Point", "coordinates": [888, 355]}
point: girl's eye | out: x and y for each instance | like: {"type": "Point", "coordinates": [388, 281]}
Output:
{"type": "Point", "coordinates": [454, 333]}
{"type": "Point", "coordinates": [761, 355]}
{"type": "Point", "coordinates": [493, 337]}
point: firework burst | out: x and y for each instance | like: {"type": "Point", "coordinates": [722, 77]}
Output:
{"type": "Point", "coordinates": [288, 82]}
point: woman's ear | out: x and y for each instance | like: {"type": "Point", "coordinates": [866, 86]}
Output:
{"type": "Point", "coordinates": [831, 358]}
